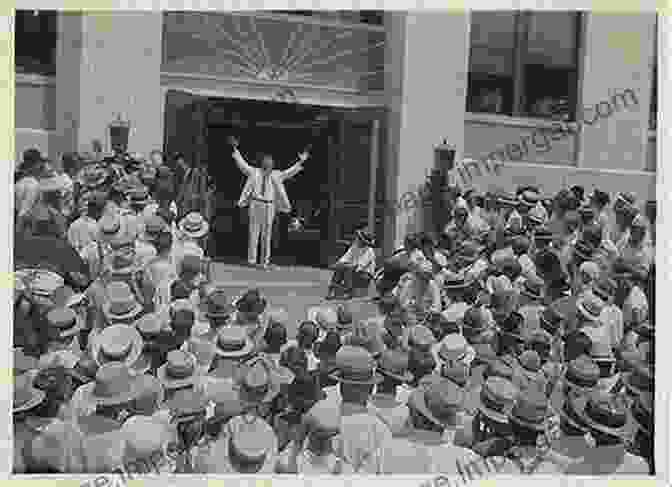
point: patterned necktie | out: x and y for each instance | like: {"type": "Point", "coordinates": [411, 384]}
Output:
{"type": "Point", "coordinates": [263, 185]}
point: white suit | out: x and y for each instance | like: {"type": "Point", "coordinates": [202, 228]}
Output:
{"type": "Point", "coordinates": [264, 194]}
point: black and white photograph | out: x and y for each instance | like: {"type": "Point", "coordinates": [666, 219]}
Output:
{"type": "Point", "coordinates": [335, 242]}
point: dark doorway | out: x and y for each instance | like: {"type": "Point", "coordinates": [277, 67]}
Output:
{"type": "Point", "coordinates": [283, 131]}
{"type": "Point", "coordinates": [333, 194]}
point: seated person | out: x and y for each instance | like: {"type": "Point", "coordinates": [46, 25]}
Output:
{"type": "Point", "coordinates": [357, 266]}
{"type": "Point", "coordinates": [397, 265]}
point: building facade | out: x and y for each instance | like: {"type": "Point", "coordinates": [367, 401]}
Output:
{"type": "Point", "coordinates": [557, 97]}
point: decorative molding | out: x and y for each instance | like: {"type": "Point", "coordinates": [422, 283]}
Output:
{"type": "Point", "coordinates": [302, 19]}
{"type": "Point", "coordinates": [252, 89]}
{"type": "Point", "coordinates": [34, 79]}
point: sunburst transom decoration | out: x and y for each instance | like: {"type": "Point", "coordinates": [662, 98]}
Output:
{"type": "Point", "coordinates": [273, 50]}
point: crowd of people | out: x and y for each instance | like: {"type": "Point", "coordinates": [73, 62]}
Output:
{"type": "Point", "coordinates": [523, 334]}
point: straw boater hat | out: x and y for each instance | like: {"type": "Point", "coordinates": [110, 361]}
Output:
{"type": "Point", "coordinates": [114, 385]}
{"type": "Point", "coordinates": [43, 284]}
{"type": "Point", "coordinates": [355, 365]}
{"type": "Point", "coordinates": [145, 438]}
{"type": "Point", "coordinates": [179, 370]}
{"type": "Point", "coordinates": [452, 348]}
{"type": "Point", "coordinates": [121, 304]}
{"type": "Point", "coordinates": [23, 363]}
{"type": "Point", "coordinates": [249, 446]}
{"type": "Point", "coordinates": [606, 413]}
{"type": "Point", "coordinates": [26, 396]}
{"type": "Point", "coordinates": [194, 225]}
{"type": "Point", "coordinates": [438, 401]}
{"type": "Point", "coordinates": [233, 342]}
{"type": "Point", "coordinates": [64, 323]}
{"type": "Point", "coordinates": [260, 381]}
{"type": "Point", "coordinates": [117, 343]}
{"type": "Point", "coordinates": [497, 398]}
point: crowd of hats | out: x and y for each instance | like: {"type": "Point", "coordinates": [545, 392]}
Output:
{"type": "Point", "coordinates": [512, 349]}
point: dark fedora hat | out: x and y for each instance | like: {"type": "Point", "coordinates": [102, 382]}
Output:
{"type": "Point", "coordinates": [603, 412]}
{"type": "Point", "coordinates": [531, 410]}
{"type": "Point", "coordinates": [533, 288]}
{"type": "Point", "coordinates": [582, 374]}
{"type": "Point", "coordinates": [496, 399]}
{"type": "Point", "coordinates": [355, 365]}
{"type": "Point", "coordinates": [551, 321]}
{"type": "Point", "coordinates": [218, 305]}
{"type": "Point", "coordinates": [394, 364]}
{"type": "Point", "coordinates": [328, 346]}
{"type": "Point", "coordinates": [640, 380]}
{"type": "Point", "coordinates": [438, 401]}
{"type": "Point", "coordinates": [251, 302]}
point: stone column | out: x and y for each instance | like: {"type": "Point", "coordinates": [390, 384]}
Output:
{"type": "Point", "coordinates": [427, 56]}
{"type": "Point", "coordinates": [616, 90]}
{"type": "Point", "coordinates": [109, 64]}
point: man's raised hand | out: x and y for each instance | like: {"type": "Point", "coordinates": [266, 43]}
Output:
{"type": "Point", "coordinates": [303, 156]}
{"type": "Point", "coordinates": [234, 142]}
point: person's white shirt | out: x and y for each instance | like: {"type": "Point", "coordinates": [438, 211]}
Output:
{"type": "Point", "coordinates": [635, 307]}
{"type": "Point", "coordinates": [26, 194]}
{"type": "Point", "coordinates": [363, 259]}
{"type": "Point", "coordinates": [82, 232]}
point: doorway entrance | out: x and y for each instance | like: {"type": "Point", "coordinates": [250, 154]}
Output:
{"type": "Point", "coordinates": [335, 194]}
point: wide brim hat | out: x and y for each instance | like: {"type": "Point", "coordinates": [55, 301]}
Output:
{"type": "Point", "coordinates": [26, 398]}
{"type": "Point", "coordinates": [339, 376]}
{"type": "Point", "coordinates": [638, 380]}
{"type": "Point", "coordinates": [586, 312]}
{"type": "Point", "coordinates": [168, 382]}
{"type": "Point", "coordinates": [245, 348]}
{"type": "Point", "coordinates": [250, 302]}
{"type": "Point", "coordinates": [539, 426]}
{"type": "Point", "coordinates": [402, 374]}
{"type": "Point", "coordinates": [533, 291]}
{"type": "Point", "coordinates": [68, 330]}
{"type": "Point", "coordinates": [222, 309]}
{"type": "Point", "coordinates": [418, 399]}
{"type": "Point", "coordinates": [122, 397]}
{"type": "Point", "coordinates": [106, 336]}
{"type": "Point", "coordinates": [581, 403]}
{"type": "Point", "coordinates": [131, 314]}
{"type": "Point", "coordinates": [201, 231]}
{"type": "Point", "coordinates": [277, 377]}
{"type": "Point", "coordinates": [490, 412]}
{"type": "Point", "coordinates": [405, 377]}
{"type": "Point", "coordinates": [224, 451]}
{"type": "Point", "coordinates": [575, 381]}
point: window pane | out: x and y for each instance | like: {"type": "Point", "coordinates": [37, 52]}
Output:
{"type": "Point", "coordinates": [550, 65]}
{"type": "Point", "coordinates": [35, 42]}
{"type": "Point", "coordinates": [491, 58]}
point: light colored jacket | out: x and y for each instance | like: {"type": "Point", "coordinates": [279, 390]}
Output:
{"type": "Point", "coordinates": [278, 178]}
